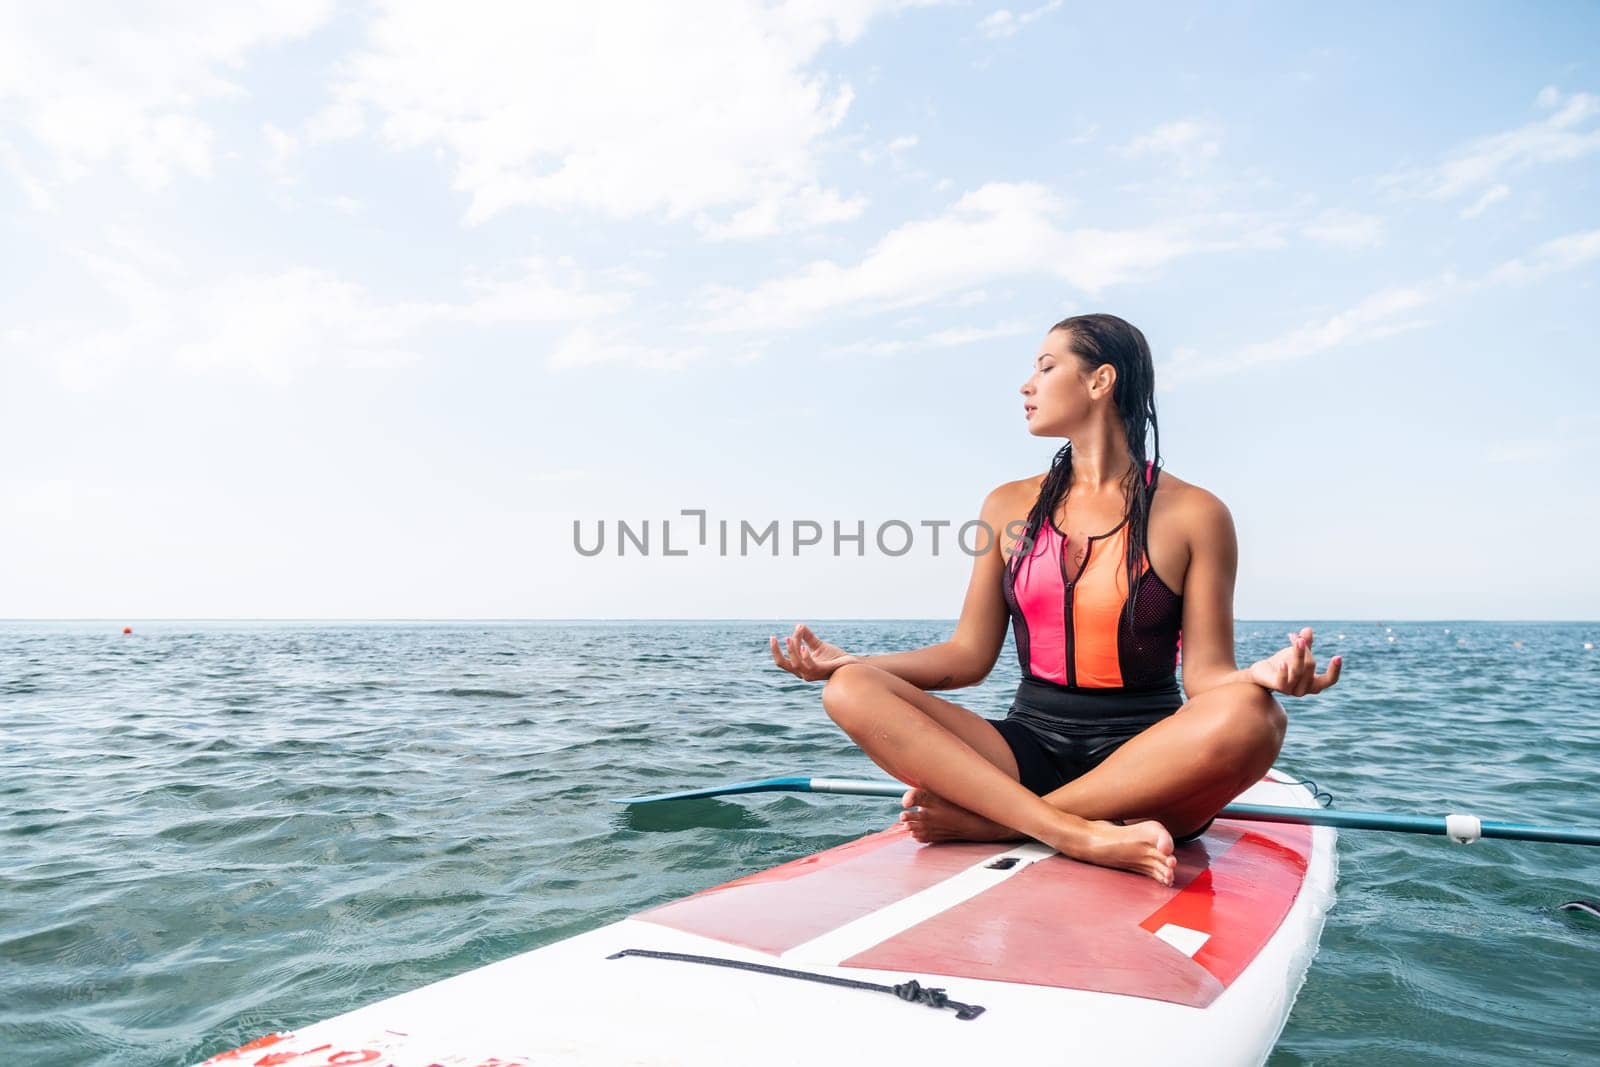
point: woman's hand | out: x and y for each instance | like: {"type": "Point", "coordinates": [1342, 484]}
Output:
{"type": "Point", "coordinates": [1293, 671]}
{"type": "Point", "coordinates": [810, 658]}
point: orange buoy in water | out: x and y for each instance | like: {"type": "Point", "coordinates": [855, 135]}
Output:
{"type": "Point", "coordinates": [127, 629]}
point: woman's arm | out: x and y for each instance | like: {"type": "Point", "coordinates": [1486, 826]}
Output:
{"type": "Point", "coordinates": [1208, 656]}
{"type": "Point", "coordinates": [970, 654]}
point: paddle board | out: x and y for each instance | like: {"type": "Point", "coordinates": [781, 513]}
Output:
{"type": "Point", "coordinates": [955, 953]}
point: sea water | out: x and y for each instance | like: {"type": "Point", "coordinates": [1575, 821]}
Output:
{"type": "Point", "coordinates": [209, 831]}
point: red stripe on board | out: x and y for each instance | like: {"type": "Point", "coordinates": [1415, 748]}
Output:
{"type": "Point", "coordinates": [1065, 924]}
{"type": "Point", "coordinates": [1242, 901]}
{"type": "Point", "coordinates": [777, 909]}
{"type": "Point", "coordinates": [1073, 926]}
{"type": "Point", "coordinates": [1057, 922]}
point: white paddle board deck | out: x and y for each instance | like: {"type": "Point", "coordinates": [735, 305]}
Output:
{"type": "Point", "coordinates": [1070, 963]}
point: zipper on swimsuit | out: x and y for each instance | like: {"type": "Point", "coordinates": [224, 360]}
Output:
{"type": "Point", "coordinates": [1066, 616]}
{"type": "Point", "coordinates": [1066, 622]}
{"type": "Point", "coordinates": [1072, 656]}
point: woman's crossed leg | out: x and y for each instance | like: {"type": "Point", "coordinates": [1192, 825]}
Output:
{"type": "Point", "coordinates": [1171, 777]}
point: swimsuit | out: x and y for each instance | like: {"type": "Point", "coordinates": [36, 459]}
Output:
{"type": "Point", "coordinates": [1090, 680]}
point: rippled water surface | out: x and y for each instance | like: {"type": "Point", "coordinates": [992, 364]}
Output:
{"type": "Point", "coordinates": [209, 831]}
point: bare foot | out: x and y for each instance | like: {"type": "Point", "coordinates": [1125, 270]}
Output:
{"type": "Point", "coordinates": [1143, 847]}
{"type": "Point", "coordinates": [941, 820]}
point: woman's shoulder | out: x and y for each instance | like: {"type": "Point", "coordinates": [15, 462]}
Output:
{"type": "Point", "coordinates": [1019, 489]}
{"type": "Point", "coordinates": [1189, 502]}
{"type": "Point", "coordinates": [1174, 493]}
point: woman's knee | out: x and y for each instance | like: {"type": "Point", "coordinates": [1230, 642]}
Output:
{"type": "Point", "coordinates": [847, 690]}
{"type": "Point", "coordinates": [1260, 712]}
{"type": "Point", "coordinates": [1249, 720]}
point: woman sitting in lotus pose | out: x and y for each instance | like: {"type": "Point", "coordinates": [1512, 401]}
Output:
{"type": "Point", "coordinates": [1097, 564]}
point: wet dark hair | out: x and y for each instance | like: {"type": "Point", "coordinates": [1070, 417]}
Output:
{"type": "Point", "coordinates": [1097, 340]}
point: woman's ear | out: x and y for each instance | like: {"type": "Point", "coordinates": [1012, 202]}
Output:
{"type": "Point", "coordinates": [1103, 381]}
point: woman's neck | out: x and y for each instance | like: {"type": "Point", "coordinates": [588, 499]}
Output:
{"type": "Point", "coordinates": [1100, 460]}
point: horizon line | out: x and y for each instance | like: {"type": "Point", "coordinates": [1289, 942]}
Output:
{"type": "Point", "coordinates": [126, 620]}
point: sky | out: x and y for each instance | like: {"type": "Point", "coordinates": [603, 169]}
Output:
{"type": "Point", "coordinates": [380, 311]}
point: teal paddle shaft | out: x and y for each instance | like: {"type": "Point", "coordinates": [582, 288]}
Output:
{"type": "Point", "coordinates": [1461, 828]}
{"type": "Point", "coordinates": [1456, 827]}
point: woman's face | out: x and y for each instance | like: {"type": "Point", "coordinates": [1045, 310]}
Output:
{"type": "Point", "coordinates": [1056, 396]}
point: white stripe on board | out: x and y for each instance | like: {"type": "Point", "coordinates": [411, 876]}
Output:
{"type": "Point", "coordinates": [858, 935]}
{"type": "Point", "coordinates": [1182, 938]}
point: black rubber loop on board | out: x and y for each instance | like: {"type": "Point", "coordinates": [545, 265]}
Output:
{"type": "Point", "coordinates": [1587, 907]}
{"type": "Point", "coordinates": [911, 990]}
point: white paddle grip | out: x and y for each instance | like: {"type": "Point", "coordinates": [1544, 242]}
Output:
{"type": "Point", "coordinates": [1463, 829]}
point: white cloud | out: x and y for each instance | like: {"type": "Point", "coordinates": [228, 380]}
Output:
{"type": "Point", "coordinates": [1087, 132]}
{"type": "Point", "coordinates": [1383, 314]}
{"type": "Point", "coordinates": [893, 151]}
{"type": "Point", "coordinates": [709, 113]}
{"type": "Point", "coordinates": [1478, 168]}
{"type": "Point", "coordinates": [125, 83]}
{"type": "Point", "coordinates": [1189, 143]}
{"type": "Point", "coordinates": [1561, 254]}
{"type": "Point", "coordinates": [40, 198]}
{"type": "Point", "coordinates": [594, 346]}
{"type": "Point", "coordinates": [1345, 229]}
{"type": "Point", "coordinates": [951, 338]}
{"type": "Point", "coordinates": [1491, 196]}
{"type": "Point", "coordinates": [541, 291]}
{"type": "Point", "coordinates": [282, 147]}
{"type": "Point", "coordinates": [1003, 23]}
{"type": "Point", "coordinates": [1002, 230]}
{"type": "Point", "coordinates": [346, 205]}
{"type": "Point", "coordinates": [339, 120]}
{"type": "Point", "coordinates": [793, 210]}
{"type": "Point", "coordinates": [276, 326]}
